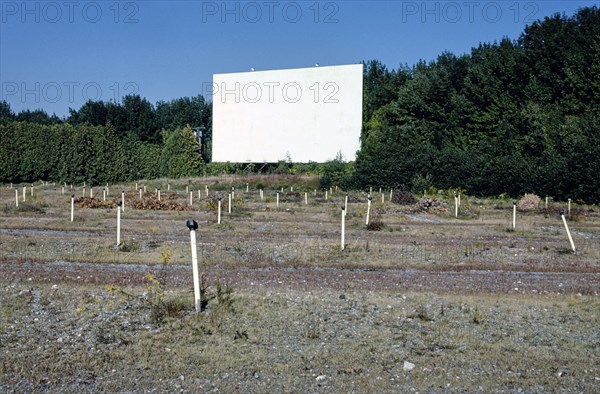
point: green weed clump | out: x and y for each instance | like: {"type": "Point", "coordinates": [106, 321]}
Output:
{"type": "Point", "coordinates": [162, 307]}
{"type": "Point", "coordinates": [129, 247]}
{"type": "Point", "coordinates": [376, 224]}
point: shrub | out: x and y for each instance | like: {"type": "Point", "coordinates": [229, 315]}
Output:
{"type": "Point", "coordinates": [403, 197]}
{"type": "Point", "coordinates": [433, 205]}
{"type": "Point", "coordinates": [375, 224]}
{"type": "Point", "coordinates": [421, 183]}
{"type": "Point", "coordinates": [528, 202]}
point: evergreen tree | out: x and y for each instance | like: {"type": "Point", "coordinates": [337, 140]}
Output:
{"type": "Point", "coordinates": [181, 154]}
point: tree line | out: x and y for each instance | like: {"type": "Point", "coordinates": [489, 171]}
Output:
{"type": "Point", "coordinates": [106, 142]}
{"type": "Point", "coordinates": [509, 117]}
{"type": "Point", "coordinates": [513, 116]}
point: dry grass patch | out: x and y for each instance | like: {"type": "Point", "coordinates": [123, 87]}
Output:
{"type": "Point", "coordinates": [85, 339]}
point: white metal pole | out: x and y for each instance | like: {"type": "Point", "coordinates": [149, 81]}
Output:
{"type": "Point", "coordinates": [546, 202]}
{"type": "Point", "coordinates": [219, 214]}
{"type": "Point", "coordinates": [123, 200]}
{"type": "Point", "coordinates": [91, 192]}
{"type": "Point", "coordinates": [233, 193]}
{"type": "Point", "coordinates": [140, 193]}
{"type": "Point", "coordinates": [569, 208]}
{"type": "Point", "coordinates": [206, 189]}
{"type": "Point", "coordinates": [72, 205]}
{"type": "Point", "coordinates": [191, 197]}
{"type": "Point", "coordinates": [325, 195]}
{"type": "Point", "coordinates": [118, 225]}
{"type": "Point", "coordinates": [459, 199]}
{"type": "Point", "coordinates": [24, 191]}
{"type": "Point", "coordinates": [346, 205]}
{"type": "Point", "coordinates": [368, 208]}
{"type": "Point", "coordinates": [229, 205]}
{"type": "Point", "coordinates": [455, 204]}
{"type": "Point", "coordinates": [277, 199]}
{"type": "Point", "coordinates": [247, 188]}
{"type": "Point", "coordinates": [382, 198]}
{"type": "Point", "coordinates": [158, 191]}
{"type": "Point", "coordinates": [83, 192]}
{"type": "Point", "coordinates": [391, 191]}
{"type": "Point", "coordinates": [17, 197]}
{"type": "Point", "coordinates": [305, 198]}
{"type": "Point", "coordinates": [343, 228]}
{"type": "Point", "coordinates": [104, 194]}
{"type": "Point", "coordinates": [32, 190]}
{"type": "Point", "coordinates": [514, 223]}
{"type": "Point", "coordinates": [195, 266]}
{"type": "Point", "coordinates": [562, 215]}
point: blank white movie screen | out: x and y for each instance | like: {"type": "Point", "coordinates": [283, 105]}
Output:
{"type": "Point", "coordinates": [306, 114]}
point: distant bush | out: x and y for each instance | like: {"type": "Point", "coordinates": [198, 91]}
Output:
{"type": "Point", "coordinates": [422, 183]}
{"type": "Point", "coordinates": [529, 202]}
{"type": "Point", "coordinates": [337, 172]}
{"type": "Point", "coordinates": [376, 224]}
{"type": "Point", "coordinates": [403, 197]}
{"type": "Point", "coordinates": [433, 205]}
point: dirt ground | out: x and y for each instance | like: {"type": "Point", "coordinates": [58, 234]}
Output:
{"type": "Point", "coordinates": [429, 303]}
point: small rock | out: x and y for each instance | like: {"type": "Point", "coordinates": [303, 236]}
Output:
{"type": "Point", "coordinates": [320, 378]}
{"type": "Point", "coordinates": [408, 366]}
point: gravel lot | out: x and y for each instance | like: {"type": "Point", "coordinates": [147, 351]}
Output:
{"type": "Point", "coordinates": [429, 304]}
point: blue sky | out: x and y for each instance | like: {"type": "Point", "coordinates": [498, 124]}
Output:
{"type": "Point", "coordinates": [57, 54]}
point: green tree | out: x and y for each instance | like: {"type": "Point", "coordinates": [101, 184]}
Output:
{"type": "Point", "coordinates": [9, 154]}
{"type": "Point", "coordinates": [140, 118]}
{"type": "Point", "coordinates": [336, 172]}
{"type": "Point", "coordinates": [181, 154]}
{"type": "Point", "coordinates": [94, 113]}
{"type": "Point", "coordinates": [6, 114]}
